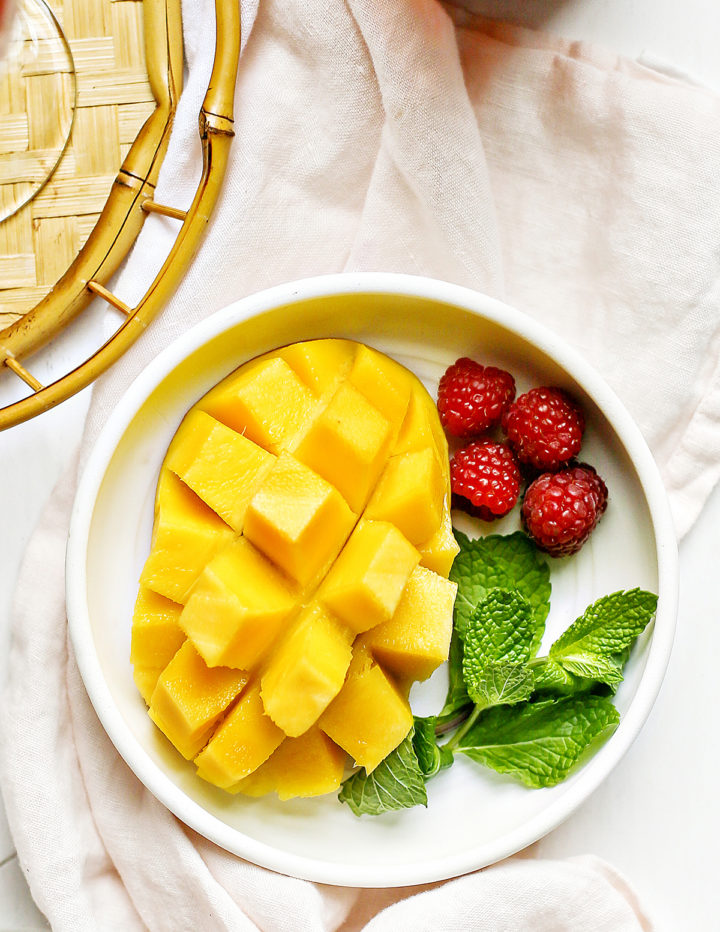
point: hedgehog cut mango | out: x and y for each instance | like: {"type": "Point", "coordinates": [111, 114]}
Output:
{"type": "Point", "coordinates": [296, 582]}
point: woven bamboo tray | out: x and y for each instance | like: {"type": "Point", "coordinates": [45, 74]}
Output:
{"type": "Point", "coordinates": [60, 248]}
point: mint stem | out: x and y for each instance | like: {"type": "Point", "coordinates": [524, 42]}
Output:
{"type": "Point", "coordinates": [461, 732]}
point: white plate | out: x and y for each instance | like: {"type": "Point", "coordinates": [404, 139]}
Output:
{"type": "Point", "coordinates": [474, 816]}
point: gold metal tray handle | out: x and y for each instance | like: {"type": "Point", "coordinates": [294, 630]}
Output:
{"type": "Point", "coordinates": [216, 133]}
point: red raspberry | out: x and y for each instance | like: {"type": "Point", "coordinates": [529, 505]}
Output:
{"type": "Point", "coordinates": [485, 479]}
{"type": "Point", "coordinates": [544, 427]}
{"type": "Point", "coordinates": [472, 398]}
{"type": "Point", "coordinates": [560, 509]}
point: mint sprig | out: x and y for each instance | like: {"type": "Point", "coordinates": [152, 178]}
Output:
{"type": "Point", "coordinates": [539, 742]}
{"type": "Point", "coordinates": [500, 562]}
{"type": "Point", "coordinates": [534, 718]}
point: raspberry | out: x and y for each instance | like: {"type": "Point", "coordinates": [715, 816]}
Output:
{"type": "Point", "coordinates": [472, 398]}
{"type": "Point", "coordinates": [485, 479]}
{"type": "Point", "coordinates": [544, 427]}
{"type": "Point", "coordinates": [560, 509]}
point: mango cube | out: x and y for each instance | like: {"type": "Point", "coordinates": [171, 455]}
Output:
{"type": "Point", "coordinates": [384, 383]}
{"type": "Point", "coordinates": [245, 739]}
{"type": "Point", "coordinates": [265, 402]}
{"type": "Point", "coordinates": [416, 640]}
{"type": "Point", "coordinates": [321, 364]}
{"type": "Point", "coordinates": [369, 717]}
{"type": "Point", "coordinates": [190, 697]}
{"type": "Point", "coordinates": [365, 584]}
{"type": "Point", "coordinates": [186, 534]}
{"type": "Point", "coordinates": [410, 494]}
{"type": "Point", "coordinates": [347, 444]}
{"type": "Point", "coordinates": [298, 520]}
{"type": "Point", "coordinates": [220, 465]}
{"type": "Point", "coordinates": [156, 634]}
{"type": "Point", "coordinates": [146, 680]}
{"type": "Point", "coordinates": [310, 765]}
{"type": "Point", "coordinates": [438, 553]}
{"type": "Point", "coordinates": [237, 607]}
{"type": "Point", "coordinates": [306, 670]}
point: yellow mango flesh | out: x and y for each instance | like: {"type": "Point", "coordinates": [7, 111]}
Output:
{"type": "Point", "coordinates": [267, 403]}
{"type": "Point", "coordinates": [310, 765]}
{"type": "Point", "coordinates": [369, 717]}
{"type": "Point", "coordinates": [279, 577]}
{"type": "Point", "coordinates": [347, 444]}
{"type": "Point", "coordinates": [298, 520]}
{"type": "Point", "coordinates": [439, 552]}
{"type": "Point", "coordinates": [156, 634]}
{"type": "Point", "coordinates": [410, 494]}
{"type": "Point", "coordinates": [320, 364]}
{"type": "Point", "coordinates": [306, 671]}
{"type": "Point", "coordinates": [186, 535]}
{"type": "Point", "coordinates": [385, 384]}
{"type": "Point", "coordinates": [416, 640]}
{"type": "Point", "coordinates": [237, 607]}
{"type": "Point", "coordinates": [220, 465]}
{"type": "Point", "coordinates": [190, 697]}
{"type": "Point", "coordinates": [245, 739]}
{"type": "Point", "coordinates": [367, 580]}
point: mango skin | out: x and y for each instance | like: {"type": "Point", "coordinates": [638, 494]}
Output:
{"type": "Point", "coordinates": [296, 598]}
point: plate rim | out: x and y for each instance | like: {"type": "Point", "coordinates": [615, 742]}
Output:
{"type": "Point", "coordinates": [603, 761]}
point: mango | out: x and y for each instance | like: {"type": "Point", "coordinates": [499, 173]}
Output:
{"type": "Point", "coordinates": [266, 402]}
{"type": "Point", "coordinates": [190, 698]}
{"type": "Point", "coordinates": [298, 520]}
{"type": "Point", "coordinates": [220, 465]}
{"type": "Point", "coordinates": [416, 640]}
{"type": "Point", "coordinates": [245, 739]}
{"type": "Point", "coordinates": [236, 608]}
{"type": "Point", "coordinates": [307, 670]}
{"type": "Point", "coordinates": [146, 680]}
{"type": "Point", "coordinates": [156, 633]}
{"type": "Point", "coordinates": [439, 552]}
{"type": "Point", "coordinates": [369, 717]}
{"type": "Point", "coordinates": [186, 534]}
{"type": "Point", "coordinates": [385, 384]}
{"type": "Point", "coordinates": [410, 494]}
{"type": "Point", "coordinates": [320, 364]}
{"type": "Point", "coordinates": [347, 444]}
{"type": "Point", "coordinates": [367, 580]}
{"type": "Point", "coordinates": [293, 589]}
{"type": "Point", "coordinates": [310, 765]}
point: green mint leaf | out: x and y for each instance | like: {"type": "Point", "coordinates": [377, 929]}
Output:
{"type": "Point", "coordinates": [551, 676]}
{"type": "Point", "coordinates": [596, 645]}
{"type": "Point", "coordinates": [500, 561]}
{"type": "Point", "coordinates": [539, 742]}
{"type": "Point", "coordinates": [457, 697]}
{"type": "Point", "coordinates": [502, 627]}
{"type": "Point", "coordinates": [502, 683]}
{"type": "Point", "coordinates": [396, 783]}
{"type": "Point", "coordinates": [426, 747]}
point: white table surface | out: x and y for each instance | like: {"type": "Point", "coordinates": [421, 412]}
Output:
{"type": "Point", "coordinates": [657, 818]}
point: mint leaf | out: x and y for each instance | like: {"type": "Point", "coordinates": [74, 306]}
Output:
{"type": "Point", "coordinates": [457, 697]}
{"type": "Point", "coordinates": [539, 742]}
{"type": "Point", "coordinates": [503, 683]}
{"type": "Point", "coordinates": [551, 676]}
{"type": "Point", "coordinates": [498, 641]}
{"type": "Point", "coordinates": [596, 645]}
{"type": "Point", "coordinates": [396, 783]}
{"type": "Point", "coordinates": [430, 757]}
{"type": "Point", "coordinates": [508, 561]}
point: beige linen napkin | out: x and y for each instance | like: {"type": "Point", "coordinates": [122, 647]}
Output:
{"type": "Point", "coordinates": [380, 134]}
